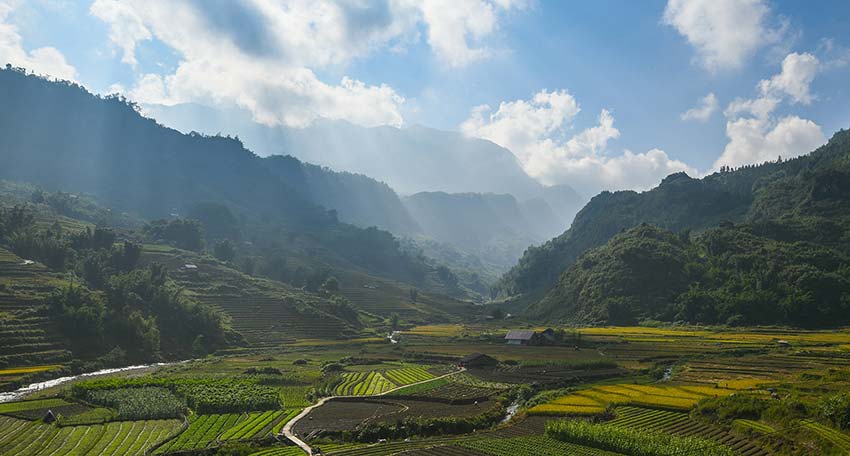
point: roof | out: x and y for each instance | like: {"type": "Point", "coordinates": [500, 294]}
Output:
{"type": "Point", "coordinates": [524, 334]}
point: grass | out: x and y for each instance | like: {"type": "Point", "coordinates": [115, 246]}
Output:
{"type": "Point", "coordinates": [531, 446]}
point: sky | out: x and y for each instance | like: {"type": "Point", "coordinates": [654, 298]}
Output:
{"type": "Point", "coordinates": [601, 95]}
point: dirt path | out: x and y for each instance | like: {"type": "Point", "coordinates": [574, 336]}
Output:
{"type": "Point", "coordinates": [287, 428]}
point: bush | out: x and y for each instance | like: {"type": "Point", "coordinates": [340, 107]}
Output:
{"type": "Point", "coordinates": [836, 410]}
{"type": "Point", "coordinates": [729, 408]}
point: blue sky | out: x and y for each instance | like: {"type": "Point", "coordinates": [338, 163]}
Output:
{"type": "Point", "coordinates": [591, 93]}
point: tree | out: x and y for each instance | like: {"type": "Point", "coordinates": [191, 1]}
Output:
{"type": "Point", "coordinates": [331, 285]}
{"type": "Point", "coordinates": [414, 293]}
{"type": "Point", "coordinates": [394, 320]}
{"type": "Point", "coordinates": [224, 250]}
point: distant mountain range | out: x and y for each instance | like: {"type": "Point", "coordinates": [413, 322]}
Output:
{"type": "Point", "coordinates": [428, 164]}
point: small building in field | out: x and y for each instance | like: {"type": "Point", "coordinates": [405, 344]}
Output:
{"type": "Point", "coordinates": [478, 360]}
{"type": "Point", "coordinates": [520, 337]}
{"type": "Point", "coordinates": [783, 343]}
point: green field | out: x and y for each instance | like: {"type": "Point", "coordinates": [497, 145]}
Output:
{"type": "Point", "coordinates": [25, 438]}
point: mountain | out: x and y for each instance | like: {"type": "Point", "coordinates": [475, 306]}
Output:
{"type": "Point", "coordinates": [410, 160]}
{"type": "Point", "coordinates": [59, 136]}
{"type": "Point", "coordinates": [496, 228]}
{"type": "Point", "coordinates": [762, 244]}
{"type": "Point", "coordinates": [357, 199]}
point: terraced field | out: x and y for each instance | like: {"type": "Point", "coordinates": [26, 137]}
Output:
{"type": "Point", "coordinates": [595, 400]}
{"type": "Point", "coordinates": [531, 446]}
{"type": "Point", "coordinates": [363, 384]}
{"type": "Point", "coordinates": [408, 375]}
{"type": "Point", "coordinates": [679, 423]}
{"type": "Point", "coordinates": [258, 425]}
{"type": "Point", "coordinates": [266, 312]}
{"type": "Point", "coordinates": [836, 438]}
{"type": "Point", "coordinates": [26, 334]}
{"type": "Point", "coordinates": [203, 432]}
{"type": "Point", "coordinates": [26, 438]}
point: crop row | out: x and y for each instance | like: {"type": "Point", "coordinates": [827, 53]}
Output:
{"type": "Point", "coordinates": [24, 438]}
{"type": "Point", "coordinates": [251, 426]}
{"type": "Point", "coordinates": [531, 446]}
{"type": "Point", "coordinates": [457, 392]}
{"type": "Point", "coordinates": [415, 390]}
{"type": "Point", "coordinates": [201, 433]}
{"type": "Point", "coordinates": [294, 396]}
{"type": "Point", "coordinates": [679, 423]}
{"type": "Point", "coordinates": [836, 438]}
{"type": "Point", "coordinates": [408, 375]}
{"type": "Point", "coordinates": [280, 451]}
{"type": "Point", "coordinates": [634, 442]}
{"type": "Point", "coordinates": [596, 399]}
{"type": "Point", "coordinates": [363, 384]}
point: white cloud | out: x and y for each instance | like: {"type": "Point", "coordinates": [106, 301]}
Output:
{"type": "Point", "coordinates": [262, 54]}
{"type": "Point", "coordinates": [702, 112]}
{"type": "Point", "coordinates": [754, 140]}
{"type": "Point", "coordinates": [724, 32]}
{"type": "Point", "coordinates": [126, 28]}
{"type": "Point", "coordinates": [453, 24]}
{"type": "Point", "coordinates": [44, 60]}
{"type": "Point", "coordinates": [756, 134]}
{"type": "Point", "coordinates": [261, 61]}
{"type": "Point", "coordinates": [798, 72]}
{"type": "Point", "coordinates": [534, 130]}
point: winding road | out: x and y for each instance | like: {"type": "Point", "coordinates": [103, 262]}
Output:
{"type": "Point", "coordinates": [287, 428]}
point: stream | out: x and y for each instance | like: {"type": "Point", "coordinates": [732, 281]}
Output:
{"type": "Point", "coordinates": [34, 387]}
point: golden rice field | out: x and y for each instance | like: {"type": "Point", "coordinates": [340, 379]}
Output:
{"type": "Point", "coordinates": [751, 336]}
{"type": "Point", "coordinates": [596, 399]}
{"type": "Point", "coordinates": [28, 370]}
{"type": "Point", "coordinates": [436, 330]}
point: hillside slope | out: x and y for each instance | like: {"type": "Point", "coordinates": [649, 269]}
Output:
{"type": "Point", "coordinates": [678, 203]}
{"type": "Point", "coordinates": [59, 136]}
{"type": "Point", "coordinates": [771, 248]}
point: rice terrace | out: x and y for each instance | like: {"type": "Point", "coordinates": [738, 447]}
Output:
{"type": "Point", "coordinates": [424, 228]}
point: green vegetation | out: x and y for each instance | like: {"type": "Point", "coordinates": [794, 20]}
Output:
{"type": "Point", "coordinates": [531, 446]}
{"type": "Point", "coordinates": [408, 375]}
{"type": "Point", "coordinates": [113, 439]}
{"type": "Point", "coordinates": [203, 432]}
{"type": "Point", "coordinates": [140, 403]}
{"type": "Point", "coordinates": [631, 441]}
{"type": "Point", "coordinates": [769, 250]}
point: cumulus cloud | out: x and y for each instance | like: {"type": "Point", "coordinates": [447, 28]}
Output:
{"type": "Point", "coordinates": [535, 131]}
{"type": "Point", "coordinates": [705, 108]}
{"type": "Point", "coordinates": [756, 134]}
{"type": "Point", "coordinates": [454, 24]}
{"type": "Point", "coordinates": [126, 28]}
{"type": "Point", "coordinates": [44, 60]}
{"type": "Point", "coordinates": [798, 72]}
{"type": "Point", "coordinates": [262, 54]}
{"type": "Point", "coordinates": [724, 32]}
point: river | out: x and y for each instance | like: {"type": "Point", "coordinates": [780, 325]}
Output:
{"type": "Point", "coordinates": [22, 392]}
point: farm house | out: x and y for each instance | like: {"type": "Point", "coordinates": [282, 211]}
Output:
{"type": "Point", "coordinates": [520, 337]}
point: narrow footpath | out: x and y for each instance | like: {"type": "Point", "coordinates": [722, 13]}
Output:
{"type": "Point", "coordinates": [287, 428]}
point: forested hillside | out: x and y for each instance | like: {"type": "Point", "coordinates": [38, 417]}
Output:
{"type": "Point", "coordinates": [58, 135]}
{"type": "Point", "coordinates": [761, 245]}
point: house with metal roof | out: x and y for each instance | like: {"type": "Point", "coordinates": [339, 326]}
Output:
{"type": "Point", "coordinates": [520, 337]}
